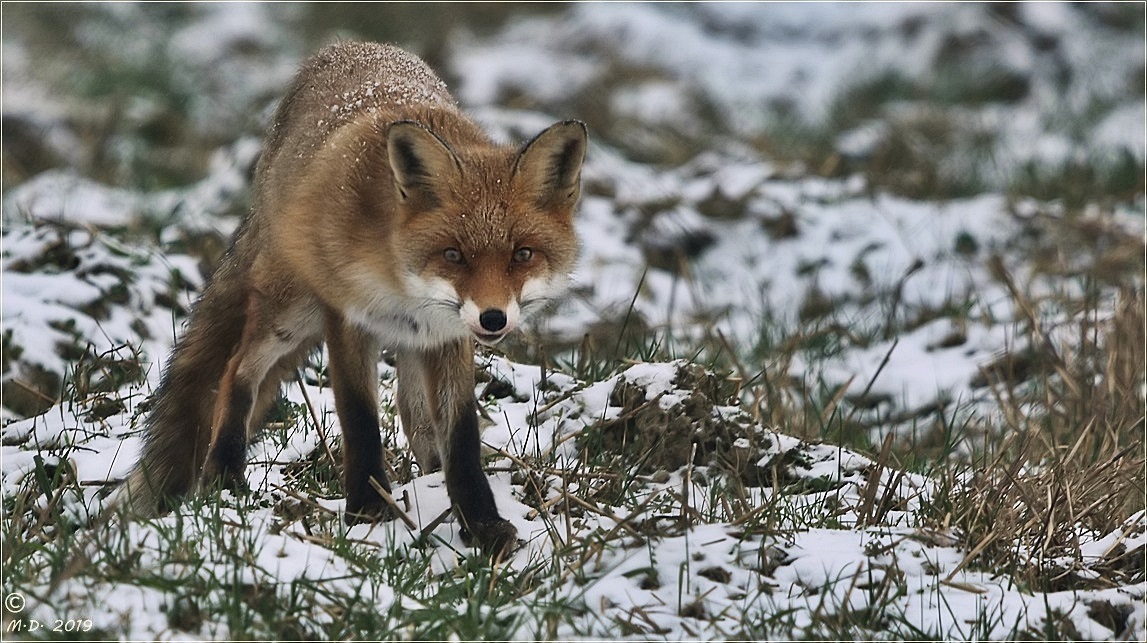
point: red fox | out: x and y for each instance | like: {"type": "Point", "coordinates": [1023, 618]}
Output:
{"type": "Point", "coordinates": [382, 217]}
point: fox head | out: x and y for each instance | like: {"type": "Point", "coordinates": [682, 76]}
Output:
{"type": "Point", "coordinates": [485, 234]}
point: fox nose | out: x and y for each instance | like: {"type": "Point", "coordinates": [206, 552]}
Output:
{"type": "Point", "coordinates": [492, 320]}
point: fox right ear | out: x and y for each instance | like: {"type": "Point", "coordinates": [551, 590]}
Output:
{"type": "Point", "coordinates": [422, 163]}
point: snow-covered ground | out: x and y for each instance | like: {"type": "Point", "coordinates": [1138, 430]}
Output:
{"type": "Point", "coordinates": [720, 578]}
{"type": "Point", "coordinates": [729, 240]}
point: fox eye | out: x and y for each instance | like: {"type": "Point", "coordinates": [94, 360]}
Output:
{"type": "Point", "coordinates": [522, 255]}
{"type": "Point", "coordinates": [453, 255]}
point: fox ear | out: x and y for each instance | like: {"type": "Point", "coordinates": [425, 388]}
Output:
{"type": "Point", "coordinates": [422, 164]}
{"type": "Point", "coordinates": [548, 168]}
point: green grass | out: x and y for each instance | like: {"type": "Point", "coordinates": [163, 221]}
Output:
{"type": "Point", "coordinates": [201, 564]}
{"type": "Point", "coordinates": [1058, 460]}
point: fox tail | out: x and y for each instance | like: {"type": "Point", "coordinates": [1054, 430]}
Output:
{"type": "Point", "coordinates": [178, 426]}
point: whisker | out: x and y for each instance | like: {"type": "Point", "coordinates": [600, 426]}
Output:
{"type": "Point", "coordinates": [449, 304]}
{"type": "Point", "coordinates": [536, 302]}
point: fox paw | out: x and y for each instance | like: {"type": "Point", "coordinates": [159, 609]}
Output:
{"type": "Point", "coordinates": [496, 538]}
{"type": "Point", "coordinates": [230, 478]}
{"type": "Point", "coordinates": [370, 511]}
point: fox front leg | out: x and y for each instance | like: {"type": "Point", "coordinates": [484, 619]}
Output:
{"type": "Point", "coordinates": [354, 377]}
{"type": "Point", "coordinates": [440, 417]}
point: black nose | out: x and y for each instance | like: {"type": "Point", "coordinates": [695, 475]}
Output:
{"type": "Point", "coordinates": [492, 320]}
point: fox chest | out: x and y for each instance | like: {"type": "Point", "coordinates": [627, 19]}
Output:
{"type": "Point", "coordinates": [400, 323]}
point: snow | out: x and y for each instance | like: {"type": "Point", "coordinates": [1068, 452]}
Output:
{"type": "Point", "coordinates": [656, 379]}
{"type": "Point", "coordinates": [713, 571]}
{"type": "Point", "coordinates": [65, 197]}
{"type": "Point", "coordinates": [852, 243]}
{"type": "Point", "coordinates": [1124, 123]}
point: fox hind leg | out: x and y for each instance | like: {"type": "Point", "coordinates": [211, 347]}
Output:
{"type": "Point", "coordinates": [227, 454]}
{"type": "Point", "coordinates": [245, 390]}
{"type": "Point", "coordinates": [414, 408]}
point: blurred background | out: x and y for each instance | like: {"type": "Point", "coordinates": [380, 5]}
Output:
{"type": "Point", "coordinates": [885, 206]}
{"type": "Point", "coordinates": [1038, 99]}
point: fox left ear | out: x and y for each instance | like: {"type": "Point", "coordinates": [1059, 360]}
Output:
{"type": "Point", "coordinates": [549, 167]}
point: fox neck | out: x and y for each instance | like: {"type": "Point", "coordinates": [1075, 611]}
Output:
{"type": "Point", "coordinates": [401, 320]}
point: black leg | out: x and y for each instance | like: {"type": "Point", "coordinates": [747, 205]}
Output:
{"type": "Point", "coordinates": [362, 459]}
{"type": "Point", "coordinates": [465, 480]}
{"type": "Point", "coordinates": [354, 376]}
{"type": "Point", "coordinates": [227, 458]}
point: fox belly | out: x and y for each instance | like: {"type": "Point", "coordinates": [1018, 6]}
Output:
{"type": "Point", "coordinates": [396, 224]}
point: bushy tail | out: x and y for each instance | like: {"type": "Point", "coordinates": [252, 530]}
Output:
{"type": "Point", "coordinates": [178, 426]}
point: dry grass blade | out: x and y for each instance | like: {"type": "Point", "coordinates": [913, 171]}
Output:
{"type": "Point", "coordinates": [389, 499]}
{"type": "Point", "coordinates": [837, 396]}
{"type": "Point", "coordinates": [971, 556]}
{"type": "Point", "coordinates": [424, 535]}
{"type": "Point", "coordinates": [306, 500]}
{"type": "Point", "coordinates": [315, 417]}
{"type": "Point", "coordinates": [687, 490]}
{"type": "Point", "coordinates": [865, 511]}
